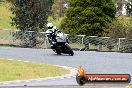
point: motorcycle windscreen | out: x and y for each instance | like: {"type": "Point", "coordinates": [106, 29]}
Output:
{"type": "Point", "coordinates": [62, 39]}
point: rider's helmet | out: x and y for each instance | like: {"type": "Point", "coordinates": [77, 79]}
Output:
{"type": "Point", "coordinates": [50, 28]}
{"type": "Point", "coordinates": [55, 29]}
{"type": "Point", "coordinates": [49, 25]}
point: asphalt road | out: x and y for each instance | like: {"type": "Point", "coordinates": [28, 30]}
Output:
{"type": "Point", "coordinates": [93, 62]}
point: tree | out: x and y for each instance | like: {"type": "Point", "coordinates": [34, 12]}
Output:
{"type": "Point", "coordinates": [58, 9]}
{"type": "Point", "coordinates": [121, 28]}
{"type": "Point", "coordinates": [89, 17]}
{"type": "Point", "coordinates": [31, 15]}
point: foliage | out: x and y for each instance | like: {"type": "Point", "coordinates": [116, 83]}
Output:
{"type": "Point", "coordinates": [89, 17]}
{"type": "Point", "coordinates": [31, 14]}
{"type": "Point", "coordinates": [56, 9]}
{"type": "Point", "coordinates": [121, 28]}
{"type": "Point", "coordinates": [55, 22]}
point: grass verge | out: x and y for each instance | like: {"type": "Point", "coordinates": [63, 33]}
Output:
{"type": "Point", "coordinates": [15, 70]}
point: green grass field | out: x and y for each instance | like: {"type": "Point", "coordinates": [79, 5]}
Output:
{"type": "Point", "coordinates": [5, 16]}
{"type": "Point", "coordinates": [16, 70]}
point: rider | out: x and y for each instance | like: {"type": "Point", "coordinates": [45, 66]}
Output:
{"type": "Point", "coordinates": [51, 32]}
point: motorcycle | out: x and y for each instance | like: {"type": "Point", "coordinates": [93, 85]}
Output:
{"type": "Point", "coordinates": [59, 43]}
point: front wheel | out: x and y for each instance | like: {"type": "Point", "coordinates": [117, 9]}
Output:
{"type": "Point", "coordinates": [58, 52]}
{"type": "Point", "coordinates": [70, 51]}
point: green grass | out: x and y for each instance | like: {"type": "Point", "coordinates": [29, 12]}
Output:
{"type": "Point", "coordinates": [104, 47]}
{"type": "Point", "coordinates": [16, 70]}
{"type": "Point", "coordinates": [5, 34]}
{"type": "Point", "coordinates": [5, 16]}
{"type": "Point", "coordinates": [76, 45]}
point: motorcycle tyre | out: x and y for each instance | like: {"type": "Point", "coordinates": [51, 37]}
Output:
{"type": "Point", "coordinates": [71, 53]}
{"type": "Point", "coordinates": [58, 52]}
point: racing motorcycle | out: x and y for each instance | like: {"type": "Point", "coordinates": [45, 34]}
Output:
{"type": "Point", "coordinates": [59, 43]}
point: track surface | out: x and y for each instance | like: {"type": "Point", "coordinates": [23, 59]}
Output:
{"type": "Point", "coordinates": [93, 62]}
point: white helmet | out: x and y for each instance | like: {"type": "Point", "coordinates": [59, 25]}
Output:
{"type": "Point", "coordinates": [54, 27]}
{"type": "Point", "coordinates": [50, 25]}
